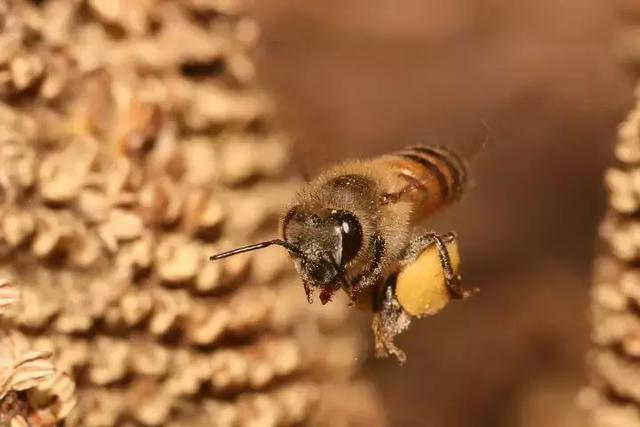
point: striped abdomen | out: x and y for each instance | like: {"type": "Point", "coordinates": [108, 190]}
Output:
{"type": "Point", "coordinates": [437, 175]}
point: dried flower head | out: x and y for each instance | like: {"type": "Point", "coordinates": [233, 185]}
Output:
{"type": "Point", "coordinates": [129, 128]}
{"type": "Point", "coordinates": [9, 295]}
{"type": "Point", "coordinates": [613, 399]}
{"type": "Point", "coordinates": [20, 367]}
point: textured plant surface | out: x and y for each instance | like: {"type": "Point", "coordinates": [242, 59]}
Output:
{"type": "Point", "coordinates": [134, 143]}
{"type": "Point", "coordinates": [614, 398]}
{"type": "Point", "coordinates": [33, 391]}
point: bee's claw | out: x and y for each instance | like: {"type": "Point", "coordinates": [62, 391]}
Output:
{"type": "Point", "coordinates": [325, 296]}
{"type": "Point", "coordinates": [458, 292]}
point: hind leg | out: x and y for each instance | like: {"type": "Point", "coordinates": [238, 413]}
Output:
{"type": "Point", "coordinates": [452, 280]}
{"type": "Point", "coordinates": [389, 320]}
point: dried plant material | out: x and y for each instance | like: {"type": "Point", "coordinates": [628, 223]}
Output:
{"type": "Point", "coordinates": [606, 414]}
{"type": "Point", "coordinates": [10, 43]}
{"type": "Point", "coordinates": [138, 127]}
{"type": "Point", "coordinates": [202, 213]}
{"type": "Point", "coordinates": [101, 407]}
{"type": "Point", "coordinates": [151, 409]}
{"type": "Point", "coordinates": [169, 307]}
{"type": "Point", "coordinates": [206, 324]}
{"type": "Point", "coordinates": [13, 411]}
{"type": "Point", "coordinates": [234, 270]}
{"type": "Point", "coordinates": [62, 174]}
{"type": "Point", "coordinates": [94, 205]}
{"type": "Point", "coordinates": [52, 231]}
{"type": "Point", "coordinates": [79, 308]}
{"type": "Point", "coordinates": [260, 204]}
{"type": "Point", "coordinates": [71, 353]}
{"type": "Point", "coordinates": [209, 277]}
{"type": "Point", "coordinates": [25, 70]}
{"type": "Point", "coordinates": [9, 295]}
{"type": "Point", "coordinates": [129, 129]}
{"type": "Point", "coordinates": [214, 105]}
{"type": "Point", "coordinates": [219, 413]}
{"type": "Point", "coordinates": [224, 6]}
{"type": "Point", "coordinates": [621, 375]}
{"type": "Point", "coordinates": [55, 79]}
{"type": "Point", "coordinates": [623, 197]}
{"type": "Point", "coordinates": [123, 225]}
{"type": "Point", "coordinates": [229, 371]}
{"type": "Point", "coordinates": [17, 227]}
{"type": "Point", "coordinates": [178, 259]}
{"type": "Point", "coordinates": [135, 306]}
{"type": "Point", "coordinates": [21, 368]}
{"type": "Point", "coordinates": [613, 397]}
{"type": "Point", "coordinates": [252, 309]}
{"type": "Point", "coordinates": [117, 174]}
{"type": "Point", "coordinates": [131, 15]}
{"type": "Point", "coordinates": [627, 149]}
{"type": "Point", "coordinates": [39, 305]}
{"type": "Point", "coordinates": [33, 392]}
{"type": "Point", "coordinates": [109, 361]}
{"type": "Point", "coordinates": [197, 154]}
{"type": "Point", "coordinates": [86, 250]}
{"type": "Point", "coordinates": [53, 399]}
{"type": "Point", "coordinates": [33, 368]}
{"type": "Point", "coordinates": [150, 359]}
{"type": "Point", "coordinates": [243, 160]}
{"type": "Point", "coordinates": [295, 402]}
{"type": "Point", "coordinates": [189, 373]}
{"type": "Point", "coordinates": [19, 160]}
{"type": "Point", "coordinates": [255, 367]}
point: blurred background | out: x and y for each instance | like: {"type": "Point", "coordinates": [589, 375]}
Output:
{"type": "Point", "coordinates": [356, 78]}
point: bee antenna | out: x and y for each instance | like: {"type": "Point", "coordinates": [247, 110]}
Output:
{"type": "Point", "coordinates": [288, 246]}
{"type": "Point", "coordinates": [488, 134]}
{"type": "Point", "coordinates": [471, 148]}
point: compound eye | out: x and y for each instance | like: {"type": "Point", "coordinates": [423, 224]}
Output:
{"type": "Point", "coordinates": [351, 233]}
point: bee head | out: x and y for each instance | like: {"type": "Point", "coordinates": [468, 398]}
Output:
{"type": "Point", "coordinates": [321, 243]}
{"type": "Point", "coordinates": [328, 240]}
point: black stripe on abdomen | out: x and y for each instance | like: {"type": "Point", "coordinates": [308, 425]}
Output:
{"type": "Point", "coordinates": [433, 170]}
{"type": "Point", "coordinates": [450, 159]}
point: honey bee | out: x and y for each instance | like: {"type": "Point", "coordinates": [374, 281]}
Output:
{"type": "Point", "coordinates": [357, 228]}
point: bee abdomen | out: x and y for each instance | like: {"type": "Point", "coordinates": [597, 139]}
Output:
{"type": "Point", "coordinates": [442, 172]}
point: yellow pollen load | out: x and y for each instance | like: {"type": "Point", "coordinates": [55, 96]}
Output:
{"type": "Point", "coordinates": [420, 288]}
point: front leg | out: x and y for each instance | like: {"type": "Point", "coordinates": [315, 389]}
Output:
{"type": "Point", "coordinates": [389, 320]}
{"type": "Point", "coordinates": [372, 275]}
{"type": "Point", "coordinates": [413, 186]}
{"type": "Point", "coordinates": [452, 280]}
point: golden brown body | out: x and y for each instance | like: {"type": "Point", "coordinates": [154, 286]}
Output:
{"type": "Point", "coordinates": [438, 176]}
{"type": "Point", "coordinates": [390, 196]}
{"type": "Point", "coordinates": [356, 227]}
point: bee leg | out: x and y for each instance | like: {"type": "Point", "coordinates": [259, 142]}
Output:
{"type": "Point", "coordinates": [353, 297]}
{"type": "Point", "coordinates": [389, 320]}
{"type": "Point", "coordinates": [452, 280]}
{"type": "Point", "coordinates": [326, 295]}
{"type": "Point", "coordinates": [389, 198]}
{"type": "Point", "coordinates": [308, 292]}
